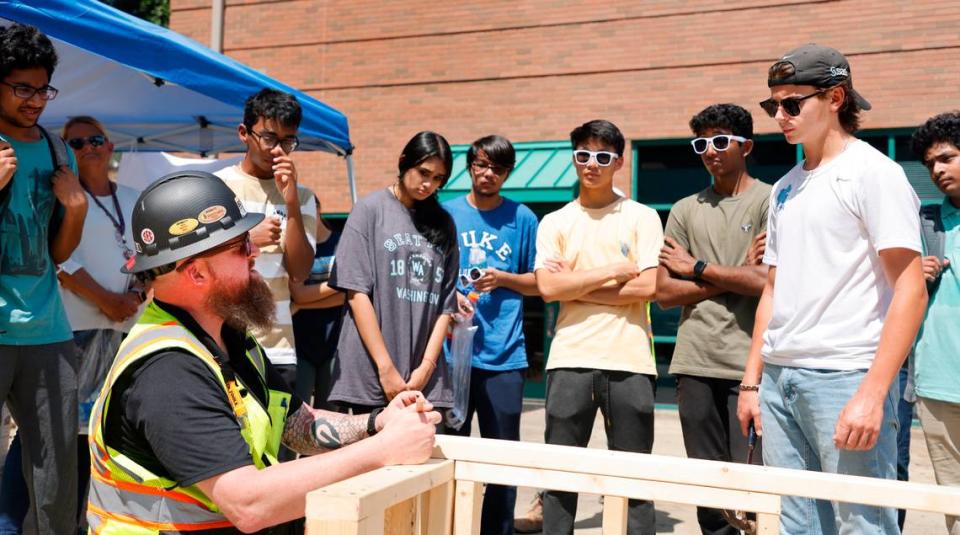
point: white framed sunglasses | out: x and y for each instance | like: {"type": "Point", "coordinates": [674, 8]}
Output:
{"type": "Point", "coordinates": [602, 157]}
{"type": "Point", "coordinates": [720, 142]}
{"type": "Point", "coordinates": [471, 276]}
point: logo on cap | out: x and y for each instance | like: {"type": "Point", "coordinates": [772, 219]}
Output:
{"type": "Point", "coordinates": [212, 214]}
{"type": "Point", "coordinates": [183, 226]}
{"type": "Point", "coordinates": [839, 71]}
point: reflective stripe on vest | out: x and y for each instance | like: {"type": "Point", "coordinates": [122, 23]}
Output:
{"type": "Point", "coordinates": [126, 498]}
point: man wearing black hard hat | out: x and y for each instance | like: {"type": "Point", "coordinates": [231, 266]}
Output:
{"type": "Point", "coordinates": [843, 299]}
{"type": "Point", "coordinates": [185, 434]}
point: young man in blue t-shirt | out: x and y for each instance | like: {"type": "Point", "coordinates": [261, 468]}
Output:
{"type": "Point", "coordinates": [497, 239]}
{"type": "Point", "coordinates": [42, 209]}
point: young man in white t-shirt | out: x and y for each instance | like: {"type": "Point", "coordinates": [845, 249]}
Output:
{"type": "Point", "coordinates": [843, 300]}
{"type": "Point", "coordinates": [598, 256]}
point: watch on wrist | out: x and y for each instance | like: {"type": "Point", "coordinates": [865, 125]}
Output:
{"type": "Point", "coordinates": [698, 269]}
{"type": "Point", "coordinates": [372, 421]}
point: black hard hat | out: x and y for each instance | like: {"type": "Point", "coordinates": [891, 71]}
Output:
{"type": "Point", "coordinates": [183, 214]}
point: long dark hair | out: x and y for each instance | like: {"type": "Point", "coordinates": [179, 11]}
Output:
{"type": "Point", "coordinates": [430, 219]}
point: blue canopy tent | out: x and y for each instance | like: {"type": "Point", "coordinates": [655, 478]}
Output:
{"type": "Point", "coordinates": [156, 89]}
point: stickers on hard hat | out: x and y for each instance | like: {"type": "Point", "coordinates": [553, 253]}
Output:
{"type": "Point", "coordinates": [183, 226]}
{"type": "Point", "coordinates": [146, 236]}
{"type": "Point", "coordinates": [212, 214]}
{"type": "Point", "coordinates": [243, 211]}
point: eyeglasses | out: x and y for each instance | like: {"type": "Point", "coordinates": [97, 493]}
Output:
{"type": "Point", "coordinates": [270, 141]}
{"type": "Point", "coordinates": [719, 142]}
{"type": "Point", "coordinates": [602, 157]}
{"type": "Point", "coordinates": [26, 92]}
{"type": "Point", "coordinates": [480, 167]}
{"type": "Point", "coordinates": [471, 276]}
{"type": "Point", "coordinates": [77, 143]}
{"type": "Point", "coordinates": [791, 106]}
{"type": "Point", "coordinates": [242, 242]}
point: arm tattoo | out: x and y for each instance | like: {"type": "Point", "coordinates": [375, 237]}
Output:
{"type": "Point", "coordinates": [311, 431]}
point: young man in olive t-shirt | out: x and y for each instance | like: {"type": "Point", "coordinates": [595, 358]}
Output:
{"type": "Point", "coordinates": [706, 267]}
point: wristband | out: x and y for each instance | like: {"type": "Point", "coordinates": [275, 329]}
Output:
{"type": "Point", "coordinates": [698, 269]}
{"type": "Point", "coordinates": [748, 388]}
{"type": "Point", "coordinates": [372, 421]}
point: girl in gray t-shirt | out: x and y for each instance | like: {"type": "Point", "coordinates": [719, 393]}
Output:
{"type": "Point", "coordinates": [398, 261]}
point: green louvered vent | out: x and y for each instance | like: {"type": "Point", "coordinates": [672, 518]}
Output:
{"type": "Point", "coordinates": [544, 173]}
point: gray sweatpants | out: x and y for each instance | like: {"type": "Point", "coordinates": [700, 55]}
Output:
{"type": "Point", "coordinates": [39, 385]}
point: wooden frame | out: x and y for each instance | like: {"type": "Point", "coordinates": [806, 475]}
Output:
{"type": "Point", "coordinates": [444, 495]}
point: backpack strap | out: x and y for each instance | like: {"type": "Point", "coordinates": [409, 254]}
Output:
{"type": "Point", "coordinates": [59, 158]}
{"type": "Point", "coordinates": [5, 192]}
{"type": "Point", "coordinates": [934, 236]}
{"type": "Point", "coordinates": [58, 149]}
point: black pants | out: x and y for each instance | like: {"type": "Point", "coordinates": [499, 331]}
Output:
{"type": "Point", "coordinates": [711, 430]}
{"type": "Point", "coordinates": [626, 402]}
{"type": "Point", "coordinates": [497, 399]}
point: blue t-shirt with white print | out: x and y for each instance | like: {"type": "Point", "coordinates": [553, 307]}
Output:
{"type": "Point", "coordinates": [507, 235]}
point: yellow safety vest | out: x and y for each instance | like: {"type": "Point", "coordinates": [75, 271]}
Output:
{"type": "Point", "coordinates": [126, 498]}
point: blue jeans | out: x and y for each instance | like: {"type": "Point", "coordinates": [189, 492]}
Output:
{"type": "Point", "coordinates": [905, 417]}
{"type": "Point", "coordinates": [799, 409]}
{"type": "Point", "coordinates": [497, 399]}
{"type": "Point", "coordinates": [14, 498]}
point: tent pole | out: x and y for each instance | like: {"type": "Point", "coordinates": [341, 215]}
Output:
{"type": "Point", "coordinates": [351, 180]}
{"type": "Point", "coordinates": [216, 26]}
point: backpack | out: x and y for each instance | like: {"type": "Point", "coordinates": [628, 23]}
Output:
{"type": "Point", "coordinates": [934, 236]}
{"type": "Point", "coordinates": [59, 157]}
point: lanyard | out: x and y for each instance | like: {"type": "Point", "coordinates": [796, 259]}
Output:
{"type": "Point", "coordinates": [119, 225]}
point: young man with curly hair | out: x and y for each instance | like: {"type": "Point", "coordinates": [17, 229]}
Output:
{"type": "Point", "coordinates": [936, 370]}
{"type": "Point", "coordinates": [706, 267]}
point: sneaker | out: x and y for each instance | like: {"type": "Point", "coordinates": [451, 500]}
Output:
{"type": "Point", "coordinates": [533, 521]}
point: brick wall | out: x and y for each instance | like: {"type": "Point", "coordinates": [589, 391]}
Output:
{"type": "Point", "coordinates": [532, 70]}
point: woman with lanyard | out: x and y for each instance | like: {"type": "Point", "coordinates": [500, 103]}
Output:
{"type": "Point", "coordinates": [100, 301]}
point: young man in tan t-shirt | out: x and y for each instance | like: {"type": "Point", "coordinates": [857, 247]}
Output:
{"type": "Point", "coordinates": [598, 256]}
{"type": "Point", "coordinates": [266, 181]}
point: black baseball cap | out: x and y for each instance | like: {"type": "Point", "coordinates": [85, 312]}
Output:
{"type": "Point", "coordinates": [816, 65]}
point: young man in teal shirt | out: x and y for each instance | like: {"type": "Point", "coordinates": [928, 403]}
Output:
{"type": "Point", "coordinates": [936, 366]}
{"type": "Point", "coordinates": [42, 209]}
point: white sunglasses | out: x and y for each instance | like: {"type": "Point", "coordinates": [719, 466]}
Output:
{"type": "Point", "coordinates": [720, 142]}
{"type": "Point", "coordinates": [602, 157]}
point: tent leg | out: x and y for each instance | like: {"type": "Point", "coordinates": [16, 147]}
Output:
{"type": "Point", "coordinates": [351, 180]}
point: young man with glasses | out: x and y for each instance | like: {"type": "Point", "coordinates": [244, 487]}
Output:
{"type": "Point", "coordinates": [597, 256]}
{"type": "Point", "coordinates": [935, 365]}
{"type": "Point", "coordinates": [706, 267]}
{"type": "Point", "coordinates": [266, 181]}
{"type": "Point", "coordinates": [42, 211]}
{"type": "Point", "coordinates": [843, 299]}
{"type": "Point", "coordinates": [500, 235]}
{"type": "Point", "coordinates": [186, 432]}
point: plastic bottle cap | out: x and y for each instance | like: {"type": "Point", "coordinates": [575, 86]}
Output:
{"type": "Point", "coordinates": [473, 297]}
